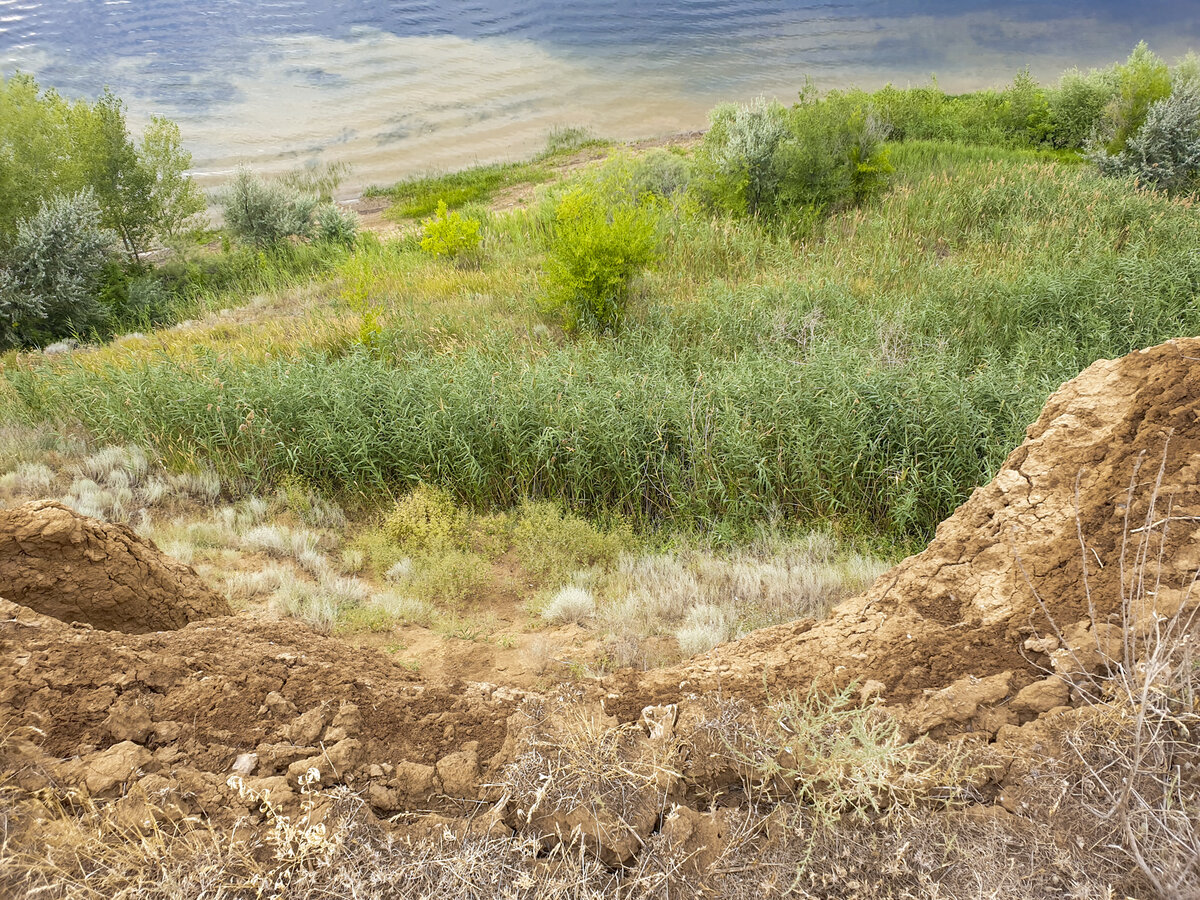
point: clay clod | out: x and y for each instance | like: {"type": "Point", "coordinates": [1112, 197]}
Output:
{"type": "Point", "coordinates": [77, 569]}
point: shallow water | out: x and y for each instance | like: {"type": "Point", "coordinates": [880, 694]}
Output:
{"type": "Point", "coordinates": [403, 87]}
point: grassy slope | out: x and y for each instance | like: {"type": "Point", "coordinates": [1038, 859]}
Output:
{"type": "Point", "coordinates": [872, 374]}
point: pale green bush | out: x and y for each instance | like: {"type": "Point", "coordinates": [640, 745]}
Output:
{"type": "Point", "coordinates": [660, 173]}
{"type": "Point", "coordinates": [50, 275]}
{"type": "Point", "coordinates": [1166, 151]}
{"type": "Point", "coordinates": [264, 213]}
{"type": "Point", "coordinates": [569, 604]}
{"type": "Point", "coordinates": [739, 149]}
{"type": "Point", "coordinates": [336, 225]}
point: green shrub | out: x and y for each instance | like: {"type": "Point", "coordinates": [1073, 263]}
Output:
{"type": "Point", "coordinates": [336, 225]}
{"type": "Point", "coordinates": [1026, 110]}
{"type": "Point", "coordinates": [1141, 81]}
{"type": "Point", "coordinates": [552, 544]}
{"type": "Point", "coordinates": [264, 214]}
{"type": "Point", "coordinates": [449, 234]}
{"type": "Point", "coordinates": [50, 283]}
{"type": "Point", "coordinates": [1186, 71]}
{"type": "Point", "coordinates": [763, 159]}
{"type": "Point", "coordinates": [1166, 149]}
{"type": "Point", "coordinates": [926, 113]}
{"type": "Point", "coordinates": [834, 154]}
{"type": "Point", "coordinates": [660, 173]}
{"type": "Point", "coordinates": [448, 576]}
{"type": "Point", "coordinates": [54, 147]}
{"type": "Point", "coordinates": [426, 519]}
{"type": "Point", "coordinates": [602, 237]}
{"type": "Point", "coordinates": [316, 180]}
{"type": "Point", "coordinates": [739, 151]}
{"type": "Point", "coordinates": [1077, 106]}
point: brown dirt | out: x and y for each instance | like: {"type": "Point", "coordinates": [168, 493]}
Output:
{"type": "Point", "coordinates": [78, 569]}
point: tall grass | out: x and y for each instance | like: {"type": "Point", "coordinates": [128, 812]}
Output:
{"type": "Point", "coordinates": [873, 373]}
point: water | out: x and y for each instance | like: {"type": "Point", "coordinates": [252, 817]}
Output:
{"type": "Point", "coordinates": [404, 87]}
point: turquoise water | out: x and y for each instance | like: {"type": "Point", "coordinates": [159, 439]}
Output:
{"type": "Point", "coordinates": [397, 88]}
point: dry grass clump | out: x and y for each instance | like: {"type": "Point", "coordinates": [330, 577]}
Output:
{"type": "Point", "coordinates": [319, 603]}
{"type": "Point", "coordinates": [569, 604]}
{"type": "Point", "coordinates": [581, 778]}
{"type": "Point", "coordinates": [279, 541]}
{"type": "Point", "coordinates": [704, 627]}
{"type": "Point", "coordinates": [30, 444]}
{"type": "Point", "coordinates": [705, 598]}
{"type": "Point", "coordinates": [403, 608]}
{"type": "Point", "coordinates": [1136, 757]}
{"type": "Point", "coordinates": [242, 586]}
{"type": "Point", "coordinates": [28, 478]}
{"type": "Point", "coordinates": [400, 571]}
{"type": "Point", "coordinates": [313, 509]}
{"type": "Point", "coordinates": [114, 483]}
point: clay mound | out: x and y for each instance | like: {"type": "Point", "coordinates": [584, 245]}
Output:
{"type": "Point", "coordinates": [966, 606]}
{"type": "Point", "coordinates": [77, 569]}
{"type": "Point", "coordinates": [200, 697]}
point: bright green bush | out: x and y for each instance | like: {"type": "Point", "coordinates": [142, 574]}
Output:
{"type": "Point", "coordinates": [602, 237]}
{"type": "Point", "coordinates": [1141, 81]}
{"type": "Point", "coordinates": [49, 283]}
{"type": "Point", "coordinates": [926, 113]}
{"type": "Point", "coordinates": [449, 234]}
{"type": "Point", "coordinates": [265, 214]}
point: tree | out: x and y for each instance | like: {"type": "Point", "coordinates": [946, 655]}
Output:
{"type": "Point", "coordinates": [113, 171]}
{"type": "Point", "coordinates": [175, 200]}
{"type": "Point", "coordinates": [51, 147]}
{"type": "Point", "coordinates": [35, 157]}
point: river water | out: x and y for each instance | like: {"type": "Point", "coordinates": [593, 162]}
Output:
{"type": "Point", "coordinates": [396, 88]}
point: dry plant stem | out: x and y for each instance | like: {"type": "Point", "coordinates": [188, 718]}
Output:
{"type": "Point", "coordinates": [1144, 781]}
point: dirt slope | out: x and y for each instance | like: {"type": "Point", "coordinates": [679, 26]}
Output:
{"type": "Point", "coordinates": [966, 605]}
{"type": "Point", "coordinates": [77, 569]}
{"type": "Point", "coordinates": [955, 639]}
